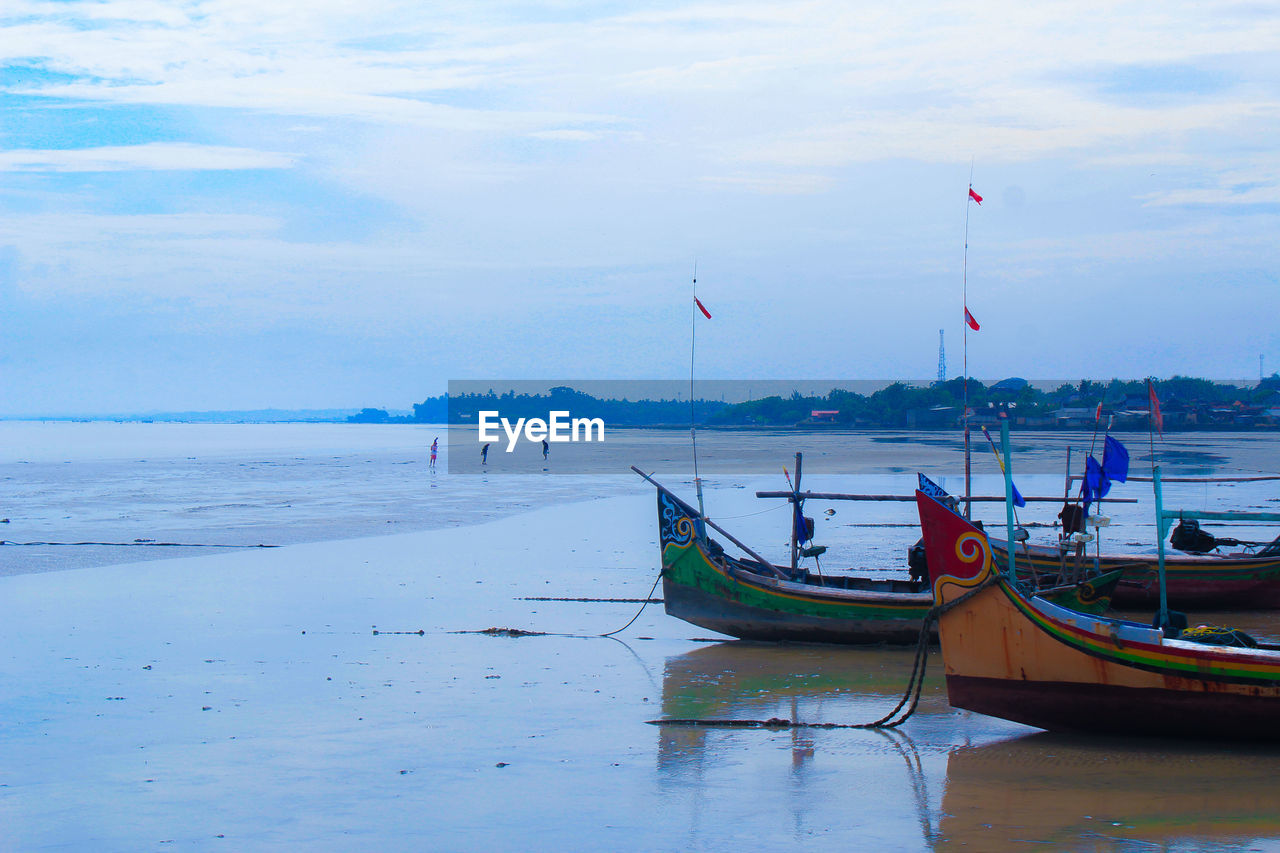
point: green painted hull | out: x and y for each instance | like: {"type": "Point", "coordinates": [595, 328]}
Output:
{"type": "Point", "coordinates": [744, 599]}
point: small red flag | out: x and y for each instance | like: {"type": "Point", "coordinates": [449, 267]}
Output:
{"type": "Point", "coordinates": [973, 195]}
{"type": "Point", "coordinates": [1156, 417]}
{"type": "Point", "coordinates": [968, 318]}
{"type": "Point", "coordinates": [1098, 415]}
{"type": "Point", "coordinates": [702, 308]}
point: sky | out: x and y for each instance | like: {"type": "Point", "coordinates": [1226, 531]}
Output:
{"type": "Point", "coordinates": [224, 204]}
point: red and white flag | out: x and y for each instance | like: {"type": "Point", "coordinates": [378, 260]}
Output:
{"type": "Point", "coordinates": [968, 318]}
{"type": "Point", "coordinates": [702, 308]}
{"type": "Point", "coordinates": [973, 195]}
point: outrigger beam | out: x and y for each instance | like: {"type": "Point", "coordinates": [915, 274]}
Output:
{"type": "Point", "coordinates": [1074, 477]}
{"type": "Point", "coordinates": [828, 496]}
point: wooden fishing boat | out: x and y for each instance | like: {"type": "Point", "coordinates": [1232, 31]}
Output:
{"type": "Point", "coordinates": [1203, 582]}
{"type": "Point", "coordinates": [752, 599]}
{"type": "Point", "coordinates": [1031, 661]}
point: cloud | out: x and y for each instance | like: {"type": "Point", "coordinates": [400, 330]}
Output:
{"type": "Point", "coordinates": [393, 167]}
{"type": "Point", "coordinates": [151, 156]}
{"type": "Point", "coordinates": [1023, 78]}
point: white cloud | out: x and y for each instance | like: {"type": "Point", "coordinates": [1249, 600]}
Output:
{"type": "Point", "coordinates": [454, 160]}
{"type": "Point", "coordinates": [815, 68]}
{"type": "Point", "coordinates": [154, 156]}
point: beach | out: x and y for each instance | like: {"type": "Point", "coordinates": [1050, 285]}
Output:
{"type": "Point", "coordinates": [338, 694]}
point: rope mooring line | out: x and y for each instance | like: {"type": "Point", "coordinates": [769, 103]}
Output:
{"type": "Point", "coordinates": [647, 599]}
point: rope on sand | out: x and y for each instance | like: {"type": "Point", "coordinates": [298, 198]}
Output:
{"type": "Point", "coordinates": [593, 600]}
{"type": "Point", "coordinates": [140, 543]}
{"type": "Point", "coordinates": [518, 632]}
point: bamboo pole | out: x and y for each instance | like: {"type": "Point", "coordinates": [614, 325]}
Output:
{"type": "Point", "coordinates": [797, 517]}
{"type": "Point", "coordinates": [833, 496]}
{"type": "Point", "coordinates": [1162, 615]}
{"type": "Point", "coordinates": [1074, 477]}
{"type": "Point", "coordinates": [1007, 470]}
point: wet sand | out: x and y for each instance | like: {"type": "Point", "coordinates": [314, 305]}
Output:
{"type": "Point", "coordinates": [244, 701]}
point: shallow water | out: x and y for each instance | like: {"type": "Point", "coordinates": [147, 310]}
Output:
{"type": "Point", "coordinates": [244, 700]}
{"type": "Point", "coordinates": [134, 486]}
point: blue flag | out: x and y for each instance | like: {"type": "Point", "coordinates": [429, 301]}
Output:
{"type": "Point", "coordinates": [1096, 484]}
{"type": "Point", "coordinates": [802, 527]}
{"type": "Point", "coordinates": [1018, 499]}
{"type": "Point", "coordinates": [1115, 460]}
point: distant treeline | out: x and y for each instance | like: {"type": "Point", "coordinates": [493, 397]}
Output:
{"type": "Point", "coordinates": [465, 409]}
{"type": "Point", "coordinates": [1184, 403]}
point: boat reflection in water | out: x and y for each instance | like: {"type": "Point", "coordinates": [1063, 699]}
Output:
{"type": "Point", "coordinates": [789, 786]}
{"type": "Point", "coordinates": [1110, 794]}
{"type": "Point", "coordinates": [759, 681]}
{"type": "Point", "coordinates": [924, 786]}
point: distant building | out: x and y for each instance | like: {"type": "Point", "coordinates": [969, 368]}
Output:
{"type": "Point", "coordinates": [1074, 417]}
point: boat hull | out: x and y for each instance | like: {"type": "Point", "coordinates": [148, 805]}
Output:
{"type": "Point", "coordinates": [749, 612]}
{"type": "Point", "coordinates": [1033, 662]}
{"type": "Point", "coordinates": [707, 588]}
{"type": "Point", "coordinates": [1204, 583]}
{"type": "Point", "coordinates": [1119, 710]}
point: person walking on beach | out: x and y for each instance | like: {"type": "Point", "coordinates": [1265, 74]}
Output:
{"type": "Point", "coordinates": [434, 445]}
{"type": "Point", "coordinates": [546, 448]}
{"type": "Point", "coordinates": [484, 455]}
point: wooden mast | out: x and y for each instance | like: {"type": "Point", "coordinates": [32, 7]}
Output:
{"type": "Point", "coordinates": [797, 515]}
{"type": "Point", "coordinates": [964, 298]}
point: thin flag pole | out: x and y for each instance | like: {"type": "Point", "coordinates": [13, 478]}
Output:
{"type": "Point", "coordinates": [1151, 424]}
{"type": "Point", "coordinates": [964, 297]}
{"type": "Point", "coordinates": [693, 429]}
